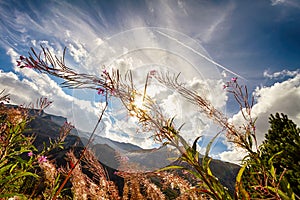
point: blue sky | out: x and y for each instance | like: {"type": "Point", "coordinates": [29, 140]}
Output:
{"type": "Point", "coordinates": [209, 41]}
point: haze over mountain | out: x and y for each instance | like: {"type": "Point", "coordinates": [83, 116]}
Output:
{"type": "Point", "coordinates": [46, 126]}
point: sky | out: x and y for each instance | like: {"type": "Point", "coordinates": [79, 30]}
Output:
{"type": "Point", "coordinates": [208, 42]}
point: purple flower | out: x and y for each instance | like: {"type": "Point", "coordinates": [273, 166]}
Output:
{"type": "Point", "coordinates": [18, 63]}
{"type": "Point", "coordinates": [152, 73]}
{"type": "Point", "coordinates": [113, 91]}
{"type": "Point", "coordinates": [105, 72]}
{"type": "Point", "coordinates": [30, 154]}
{"type": "Point", "coordinates": [42, 159]}
{"type": "Point", "coordinates": [233, 79]}
{"type": "Point", "coordinates": [100, 91]}
{"type": "Point", "coordinates": [124, 158]}
{"type": "Point", "coordinates": [28, 66]}
{"type": "Point", "coordinates": [25, 65]}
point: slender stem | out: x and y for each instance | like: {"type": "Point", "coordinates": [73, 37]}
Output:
{"type": "Point", "coordinates": [82, 154]}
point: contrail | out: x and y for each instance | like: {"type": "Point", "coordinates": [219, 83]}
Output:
{"type": "Point", "coordinates": [200, 54]}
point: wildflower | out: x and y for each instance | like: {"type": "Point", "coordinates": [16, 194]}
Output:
{"type": "Point", "coordinates": [30, 154]}
{"type": "Point", "coordinates": [105, 72]}
{"type": "Point", "coordinates": [25, 65]}
{"type": "Point", "coordinates": [100, 91]}
{"type": "Point", "coordinates": [113, 91]}
{"type": "Point", "coordinates": [42, 159]}
{"type": "Point", "coordinates": [72, 165]}
{"type": "Point", "coordinates": [124, 158]}
{"type": "Point", "coordinates": [234, 79]}
{"type": "Point", "coordinates": [152, 73]}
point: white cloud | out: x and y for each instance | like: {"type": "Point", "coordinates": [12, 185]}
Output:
{"type": "Point", "coordinates": [83, 113]}
{"type": "Point", "coordinates": [276, 2]}
{"type": "Point", "coordinates": [81, 32]}
{"type": "Point", "coordinates": [26, 91]}
{"type": "Point", "coordinates": [77, 51]}
{"type": "Point", "coordinates": [282, 74]}
{"type": "Point", "coordinates": [35, 85]}
{"type": "Point", "coordinates": [236, 155]}
{"type": "Point", "coordinates": [291, 3]}
{"type": "Point", "coordinates": [281, 97]}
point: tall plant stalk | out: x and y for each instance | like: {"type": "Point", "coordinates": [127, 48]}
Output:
{"type": "Point", "coordinates": [151, 117]}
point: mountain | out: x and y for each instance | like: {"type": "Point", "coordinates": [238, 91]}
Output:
{"type": "Point", "coordinates": [46, 126]}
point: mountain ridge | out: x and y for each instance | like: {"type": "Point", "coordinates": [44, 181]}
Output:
{"type": "Point", "coordinates": [46, 126]}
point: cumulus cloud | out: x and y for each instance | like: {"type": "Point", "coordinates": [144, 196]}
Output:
{"type": "Point", "coordinates": [34, 85]}
{"type": "Point", "coordinates": [92, 42]}
{"type": "Point", "coordinates": [117, 125]}
{"type": "Point", "coordinates": [282, 97]}
{"type": "Point", "coordinates": [234, 155]}
{"type": "Point", "coordinates": [282, 74]}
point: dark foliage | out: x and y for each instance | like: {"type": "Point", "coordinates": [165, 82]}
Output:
{"type": "Point", "coordinates": [284, 136]}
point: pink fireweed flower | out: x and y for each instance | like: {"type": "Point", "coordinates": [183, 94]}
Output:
{"type": "Point", "coordinates": [25, 65]}
{"type": "Point", "coordinates": [18, 63]}
{"type": "Point", "coordinates": [28, 66]}
{"type": "Point", "coordinates": [105, 72]}
{"type": "Point", "coordinates": [100, 91]}
{"type": "Point", "coordinates": [152, 73]}
{"type": "Point", "coordinates": [124, 158]}
{"type": "Point", "coordinates": [42, 159]}
{"type": "Point", "coordinates": [234, 79]}
{"type": "Point", "coordinates": [30, 154]}
{"type": "Point", "coordinates": [113, 91]}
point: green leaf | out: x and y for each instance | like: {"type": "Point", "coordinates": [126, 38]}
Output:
{"type": "Point", "coordinates": [205, 157]}
{"type": "Point", "coordinates": [238, 185]}
{"type": "Point", "coordinates": [5, 168]}
{"type": "Point", "coordinates": [270, 161]}
{"type": "Point", "coordinates": [210, 143]}
{"type": "Point", "coordinates": [13, 167]}
{"type": "Point", "coordinates": [250, 141]}
{"type": "Point", "coordinates": [208, 168]}
{"type": "Point", "coordinates": [195, 143]}
{"type": "Point", "coordinates": [281, 193]}
{"type": "Point", "coordinates": [272, 171]}
{"type": "Point", "coordinates": [170, 168]}
{"type": "Point", "coordinates": [12, 195]}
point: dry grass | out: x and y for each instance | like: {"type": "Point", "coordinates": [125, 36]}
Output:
{"type": "Point", "coordinates": [85, 188]}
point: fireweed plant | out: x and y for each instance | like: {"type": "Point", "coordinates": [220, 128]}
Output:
{"type": "Point", "coordinates": [151, 118]}
{"type": "Point", "coordinates": [22, 166]}
{"type": "Point", "coordinates": [26, 173]}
